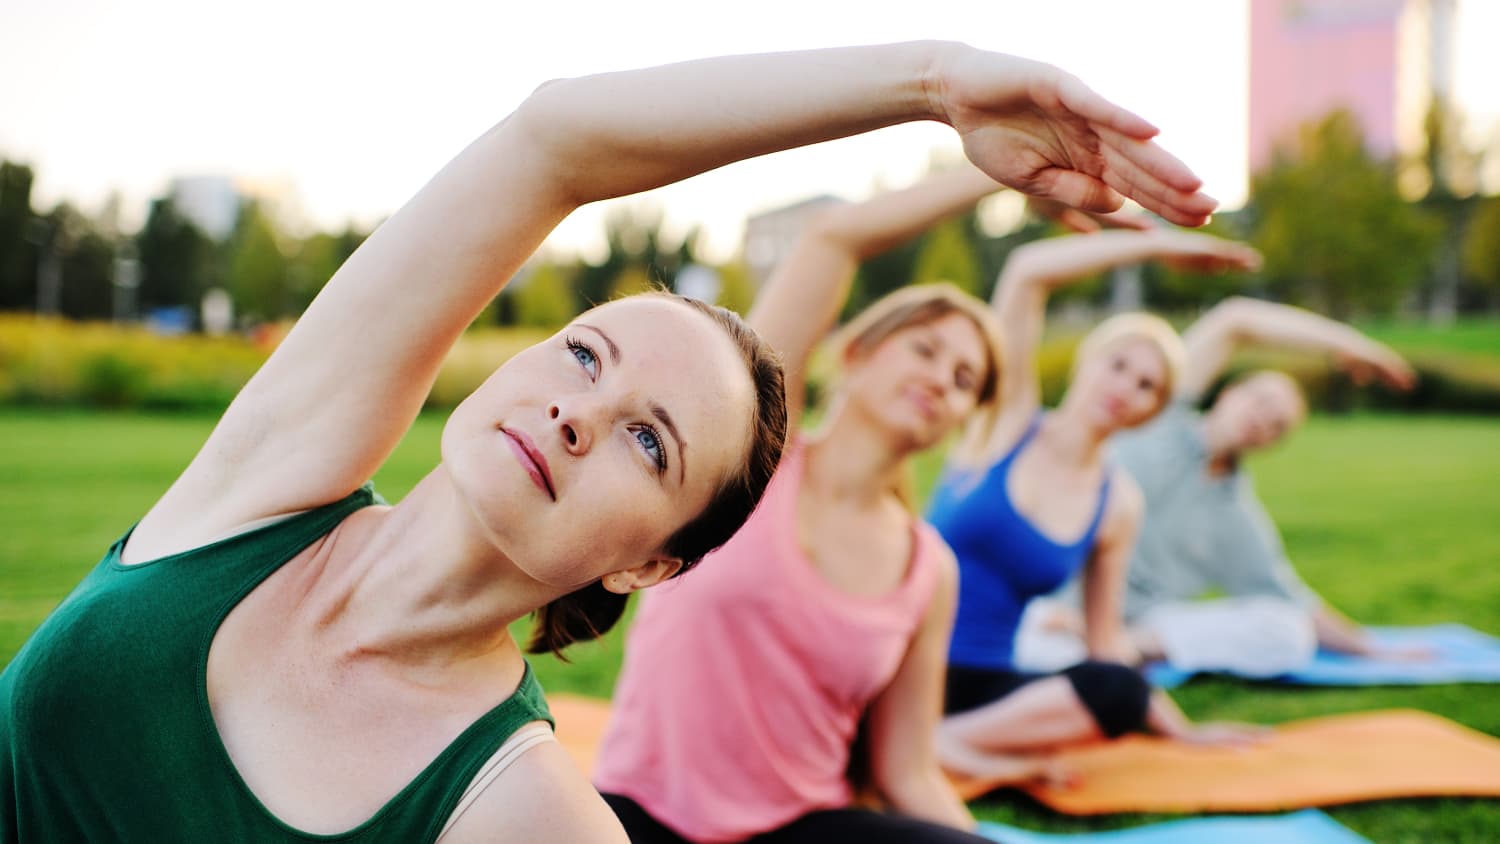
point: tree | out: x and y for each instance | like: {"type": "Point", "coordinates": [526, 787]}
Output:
{"type": "Point", "coordinates": [258, 273]}
{"type": "Point", "coordinates": [544, 299]}
{"type": "Point", "coordinates": [1335, 232]}
{"type": "Point", "coordinates": [1481, 248]}
{"type": "Point", "coordinates": [18, 233]}
{"type": "Point", "coordinates": [316, 258]}
{"type": "Point", "coordinates": [736, 289]}
{"type": "Point", "coordinates": [85, 255]}
{"type": "Point", "coordinates": [178, 261]}
{"type": "Point", "coordinates": [947, 254]}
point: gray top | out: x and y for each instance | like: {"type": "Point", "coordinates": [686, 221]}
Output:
{"type": "Point", "coordinates": [1203, 535]}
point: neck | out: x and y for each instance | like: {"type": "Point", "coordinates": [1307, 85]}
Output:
{"type": "Point", "coordinates": [1073, 437]}
{"type": "Point", "coordinates": [1222, 456]}
{"type": "Point", "coordinates": [852, 458]}
{"type": "Point", "coordinates": [418, 584]}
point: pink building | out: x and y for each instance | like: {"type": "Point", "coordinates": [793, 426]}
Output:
{"type": "Point", "coordinates": [1381, 59]}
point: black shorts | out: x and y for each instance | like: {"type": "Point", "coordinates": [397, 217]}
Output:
{"type": "Point", "coordinates": [1115, 695]}
{"type": "Point", "coordinates": [820, 827]}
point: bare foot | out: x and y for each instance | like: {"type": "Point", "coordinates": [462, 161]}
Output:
{"type": "Point", "coordinates": [1004, 768]}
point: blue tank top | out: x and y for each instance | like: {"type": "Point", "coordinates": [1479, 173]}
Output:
{"type": "Point", "coordinates": [1003, 560]}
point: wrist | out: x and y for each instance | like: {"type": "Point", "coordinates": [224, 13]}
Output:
{"type": "Point", "coordinates": [936, 74]}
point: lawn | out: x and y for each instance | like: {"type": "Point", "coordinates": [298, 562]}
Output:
{"type": "Point", "coordinates": [1391, 518]}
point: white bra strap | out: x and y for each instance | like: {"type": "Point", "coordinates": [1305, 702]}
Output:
{"type": "Point", "coordinates": [519, 742]}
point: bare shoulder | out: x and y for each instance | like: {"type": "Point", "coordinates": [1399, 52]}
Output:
{"type": "Point", "coordinates": [943, 558]}
{"type": "Point", "coordinates": [542, 797]}
{"type": "Point", "coordinates": [1126, 506]}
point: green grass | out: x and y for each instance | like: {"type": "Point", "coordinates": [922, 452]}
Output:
{"type": "Point", "coordinates": [1470, 336]}
{"type": "Point", "coordinates": [1391, 518]}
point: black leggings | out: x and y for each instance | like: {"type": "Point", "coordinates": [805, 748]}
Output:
{"type": "Point", "coordinates": [1115, 695]}
{"type": "Point", "coordinates": [821, 827]}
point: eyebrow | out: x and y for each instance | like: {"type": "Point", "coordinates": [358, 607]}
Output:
{"type": "Point", "coordinates": [656, 410]}
{"type": "Point", "coordinates": [614, 351]}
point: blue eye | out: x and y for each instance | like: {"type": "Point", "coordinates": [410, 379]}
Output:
{"type": "Point", "coordinates": [650, 441]}
{"type": "Point", "coordinates": [585, 356]}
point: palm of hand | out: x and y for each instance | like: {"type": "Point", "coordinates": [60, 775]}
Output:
{"type": "Point", "coordinates": [1033, 127]}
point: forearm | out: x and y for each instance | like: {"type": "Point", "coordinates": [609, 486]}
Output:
{"type": "Point", "coordinates": [1047, 265]}
{"type": "Point", "coordinates": [927, 795]}
{"type": "Point", "coordinates": [866, 229]}
{"type": "Point", "coordinates": [620, 133]}
{"type": "Point", "coordinates": [1253, 323]}
{"type": "Point", "coordinates": [804, 295]}
{"type": "Point", "coordinates": [1337, 633]}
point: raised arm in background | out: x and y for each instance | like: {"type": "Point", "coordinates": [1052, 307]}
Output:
{"type": "Point", "coordinates": [1036, 269]}
{"type": "Point", "coordinates": [342, 389]}
{"type": "Point", "coordinates": [1239, 323]}
{"type": "Point", "coordinates": [803, 297]}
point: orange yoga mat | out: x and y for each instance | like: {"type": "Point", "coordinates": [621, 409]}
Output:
{"type": "Point", "coordinates": [1315, 762]}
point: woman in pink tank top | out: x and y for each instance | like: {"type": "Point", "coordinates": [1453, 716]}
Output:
{"type": "Point", "coordinates": [745, 683]}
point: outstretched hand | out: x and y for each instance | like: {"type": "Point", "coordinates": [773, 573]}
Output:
{"type": "Point", "coordinates": [1224, 734]}
{"type": "Point", "coordinates": [1041, 131]}
{"type": "Point", "coordinates": [1378, 362]}
{"type": "Point", "coordinates": [1087, 222]}
{"type": "Point", "coordinates": [1203, 253]}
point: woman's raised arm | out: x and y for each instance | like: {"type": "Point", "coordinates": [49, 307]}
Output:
{"type": "Point", "coordinates": [1034, 271]}
{"type": "Point", "coordinates": [802, 299]}
{"type": "Point", "coordinates": [341, 390]}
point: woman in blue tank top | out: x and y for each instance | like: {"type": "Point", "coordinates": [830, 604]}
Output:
{"type": "Point", "coordinates": [1039, 502]}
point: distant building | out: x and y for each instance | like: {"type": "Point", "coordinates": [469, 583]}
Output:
{"type": "Point", "coordinates": [769, 237]}
{"type": "Point", "coordinates": [1384, 60]}
{"type": "Point", "coordinates": [211, 202]}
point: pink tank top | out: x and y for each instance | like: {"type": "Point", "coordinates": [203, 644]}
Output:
{"type": "Point", "coordinates": [745, 679]}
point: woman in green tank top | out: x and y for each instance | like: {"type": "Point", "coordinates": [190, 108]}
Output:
{"type": "Point", "coordinates": [272, 654]}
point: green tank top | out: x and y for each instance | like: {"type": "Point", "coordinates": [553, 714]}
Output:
{"type": "Point", "coordinates": [105, 729]}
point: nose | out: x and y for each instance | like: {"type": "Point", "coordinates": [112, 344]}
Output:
{"type": "Point", "coordinates": [577, 419]}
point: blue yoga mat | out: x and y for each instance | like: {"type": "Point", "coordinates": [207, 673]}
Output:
{"type": "Point", "coordinates": [1464, 655]}
{"type": "Point", "coordinates": [1306, 827]}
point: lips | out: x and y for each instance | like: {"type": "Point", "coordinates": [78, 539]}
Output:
{"type": "Point", "coordinates": [925, 404]}
{"type": "Point", "coordinates": [531, 459]}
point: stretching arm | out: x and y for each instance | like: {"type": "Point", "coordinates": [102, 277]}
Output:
{"type": "Point", "coordinates": [804, 295]}
{"type": "Point", "coordinates": [904, 718]}
{"type": "Point", "coordinates": [1036, 270]}
{"type": "Point", "coordinates": [1104, 576]}
{"type": "Point", "coordinates": [337, 395]}
{"type": "Point", "coordinates": [1240, 323]}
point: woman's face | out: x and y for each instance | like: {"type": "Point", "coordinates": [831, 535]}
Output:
{"type": "Point", "coordinates": [583, 454]}
{"type": "Point", "coordinates": [921, 381]}
{"type": "Point", "coordinates": [1259, 411]}
{"type": "Point", "coordinates": [1121, 386]}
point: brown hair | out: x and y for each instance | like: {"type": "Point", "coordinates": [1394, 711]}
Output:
{"type": "Point", "coordinates": [923, 304]}
{"type": "Point", "coordinates": [591, 611]}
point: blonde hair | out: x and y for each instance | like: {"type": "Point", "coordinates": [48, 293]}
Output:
{"type": "Point", "coordinates": [923, 304]}
{"type": "Point", "coordinates": [1137, 325]}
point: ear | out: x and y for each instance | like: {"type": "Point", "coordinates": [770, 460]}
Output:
{"type": "Point", "coordinates": [649, 573]}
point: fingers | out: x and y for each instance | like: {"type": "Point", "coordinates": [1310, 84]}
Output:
{"type": "Point", "coordinates": [1150, 159]}
{"type": "Point", "coordinates": [1154, 178]}
{"type": "Point", "coordinates": [1085, 102]}
{"type": "Point", "coordinates": [1079, 190]}
{"type": "Point", "coordinates": [1078, 221]}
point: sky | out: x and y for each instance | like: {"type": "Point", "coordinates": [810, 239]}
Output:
{"type": "Point", "coordinates": [348, 107]}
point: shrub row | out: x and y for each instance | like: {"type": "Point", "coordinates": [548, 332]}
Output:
{"type": "Point", "coordinates": [56, 362]}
